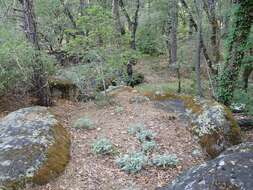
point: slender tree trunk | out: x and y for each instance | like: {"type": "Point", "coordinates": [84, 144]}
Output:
{"type": "Point", "coordinates": [203, 46]}
{"type": "Point", "coordinates": [168, 32]}
{"type": "Point", "coordinates": [198, 53]}
{"type": "Point", "coordinates": [82, 6]}
{"type": "Point", "coordinates": [69, 14]}
{"type": "Point", "coordinates": [246, 74]}
{"type": "Point", "coordinates": [247, 70]}
{"type": "Point", "coordinates": [209, 7]}
{"type": "Point", "coordinates": [173, 37]}
{"type": "Point", "coordinates": [237, 38]}
{"type": "Point", "coordinates": [119, 28]}
{"type": "Point", "coordinates": [39, 75]}
{"type": "Point", "coordinates": [132, 23]}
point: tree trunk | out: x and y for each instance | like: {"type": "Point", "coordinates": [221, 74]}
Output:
{"type": "Point", "coordinates": [132, 23]}
{"type": "Point", "coordinates": [245, 76]}
{"type": "Point", "coordinates": [198, 53]}
{"type": "Point", "coordinates": [209, 7]}
{"type": "Point", "coordinates": [39, 75]}
{"type": "Point", "coordinates": [173, 6]}
{"type": "Point", "coordinates": [68, 14]}
{"type": "Point", "coordinates": [203, 46]}
{"type": "Point", "coordinates": [168, 32]}
{"type": "Point", "coordinates": [237, 38]}
{"type": "Point", "coordinates": [119, 28]}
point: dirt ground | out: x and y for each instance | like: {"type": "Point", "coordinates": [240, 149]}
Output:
{"type": "Point", "coordinates": [87, 171]}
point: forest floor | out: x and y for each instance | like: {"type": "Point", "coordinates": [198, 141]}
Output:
{"type": "Point", "coordinates": [87, 171]}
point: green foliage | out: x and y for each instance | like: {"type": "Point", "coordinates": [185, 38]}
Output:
{"type": "Point", "coordinates": [150, 41]}
{"type": "Point", "coordinates": [141, 133]}
{"type": "Point", "coordinates": [119, 109]}
{"type": "Point", "coordinates": [165, 160]}
{"type": "Point", "coordinates": [102, 146]}
{"type": "Point", "coordinates": [236, 44]}
{"type": "Point", "coordinates": [17, 61]}
{"type": "Point", "coordinates": [145, 135]}
{"type": "Point", "coordinates": [148, 146]}
{"type": "Point", "coordinates": [132, 162]}
{"type": "Point", "coordinates": [244, 98]}
{"type": "Point", "coordinates": [84, 123]}
{"type": "Point", "coordinates": [136, 128]}
{"type": "Point", "coordinates": [92, 35]}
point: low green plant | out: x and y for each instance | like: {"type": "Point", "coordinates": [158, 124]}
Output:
{"type": "Point", "coordinates": [102, 146]}
{"type": "Point", "coordinates": [165, 160]}
{"type": "Point", "coordinates": [119, 109]}
{"type": "Point", "coordinates": [132, 162]}
{"type": "Point", "coordinates": [148, 146]}
{"type": "Point", "coordinates": [135, 128]}
{"type": "Point", "coordinates": [84, 123]}
{"type": "Point", "coordinates": [145, 135]}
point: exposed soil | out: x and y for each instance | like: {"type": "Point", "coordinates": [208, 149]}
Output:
{"type": "Point", "coordinates": [91, 172]}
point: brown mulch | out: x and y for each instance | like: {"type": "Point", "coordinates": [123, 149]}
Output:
{"type": "Point", "coordinates": [87, 171]}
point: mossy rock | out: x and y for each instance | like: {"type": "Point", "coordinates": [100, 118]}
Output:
{"type": "Point", "coordinates": [62, 88]}
{"type": "Point", "coordinates": [34, 148]}
{"type": "Point", "coordinates": [211, 122]}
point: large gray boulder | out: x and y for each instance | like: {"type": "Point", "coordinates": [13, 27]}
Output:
{"type": "Point", "coordinates": [232, 170]}
{"type": "Point", "coordinates": [34, 148]}
{"type": "Point", "coordinates": [211, 123]}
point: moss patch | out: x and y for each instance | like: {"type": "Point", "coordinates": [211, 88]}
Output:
{"type": "Point", "coordinates": [58, 156]}
{"type": "Point", "coordinates": [189, 101]}
{"type": "Point", "coordinates": [235, 133]}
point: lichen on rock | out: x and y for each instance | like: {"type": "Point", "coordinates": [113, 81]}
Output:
{"type": "Point", "coordinates": [211, 122]}
{"type": "Point", "coordinates": [34, 147]}
{"type": "Point", "coordinates": [232, 170]}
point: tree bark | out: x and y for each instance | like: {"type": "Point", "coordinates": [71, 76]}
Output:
{"type": "Point", "coordinates": [173, 8]}
{"type": "Point", "coordinates": [198, 53]}
{"type": "Point", "coordinates": [68, 14]}
{"type": "Point", "coordinates": [209, 7]}
{"type": "Point", "coordinates": [119, 28]}
{"type": "Point", "coordinates": [203, 46]}
{"type": "Point", "coordinates": [39, 75]}
{"type": "Point", "coordinates": [132, 23]}
{"type": "Point", "coordinates": [237, 38]}
{"type": "Point", "coordinates": [248, 69]}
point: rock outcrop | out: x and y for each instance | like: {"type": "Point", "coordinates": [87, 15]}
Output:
{"type": "Point", "coordinates": [232, 170]}
{"type": "Point", "coordinates": [212, 123]}
{"type": "Point", "coordinates": [34, 148]}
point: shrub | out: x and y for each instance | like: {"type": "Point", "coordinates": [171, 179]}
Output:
{"type": "Point", "coordinates": [132, 162]}
{"type": "Point", "coordinates": [165, 160]}
{"type": "Point", "coordinates": [102, 146]}
{"type": "Point", "coordinates": [148, 146]}
{"type": "Point", "coordinates": [84, 123]}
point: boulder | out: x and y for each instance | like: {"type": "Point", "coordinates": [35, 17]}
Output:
{"type": "Point", "coordinates": [232, 170]}
{"type": "Point", "coordinates": [63, 88]}
{"type": "Point", "coordinates": [212, 123]}
{"type": "Point", "coordinates": [34, 148]}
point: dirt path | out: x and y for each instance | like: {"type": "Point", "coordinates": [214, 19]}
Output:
{"type": "Point", "coordinates": [87, 171]}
